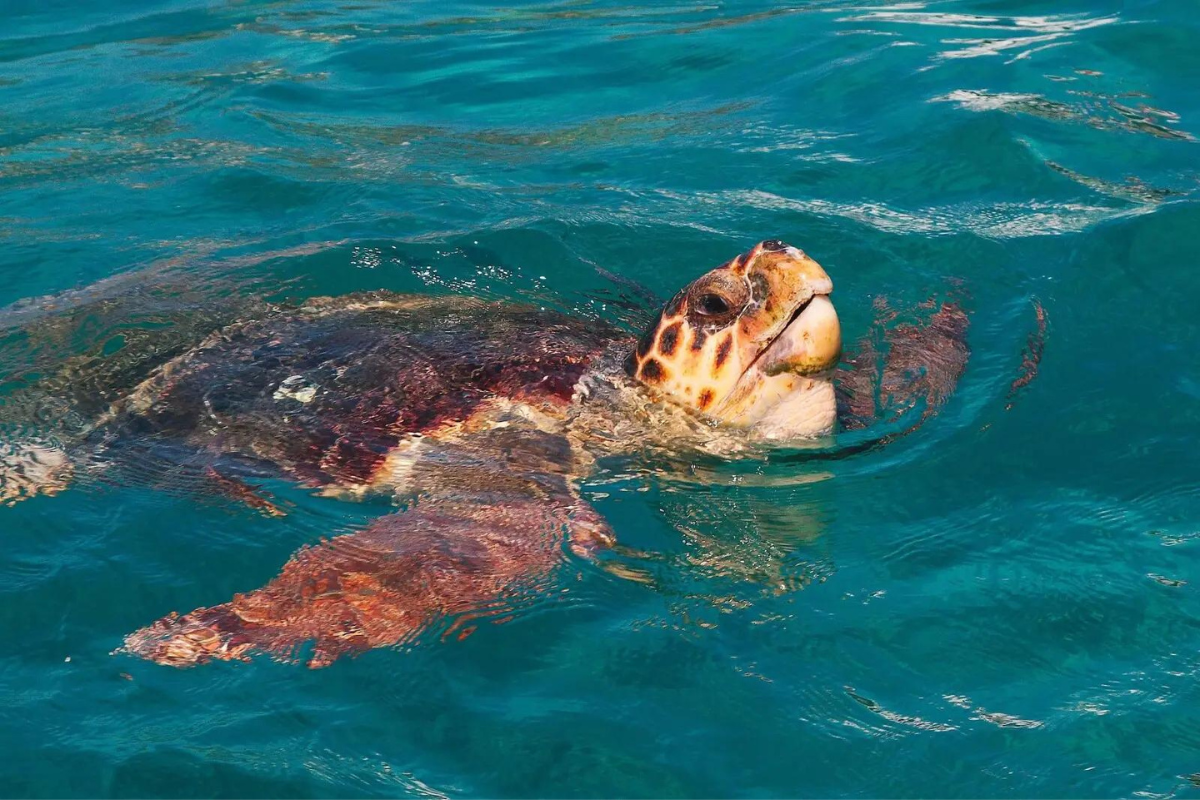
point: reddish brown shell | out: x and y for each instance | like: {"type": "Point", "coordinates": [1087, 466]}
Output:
{"type": "Point", "coordinates": [327, 390]}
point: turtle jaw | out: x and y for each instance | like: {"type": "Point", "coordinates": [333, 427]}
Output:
{"type": "Point", "coordinates": [786, 390]}
{"type": "Point", "coordinates": [810, 343]}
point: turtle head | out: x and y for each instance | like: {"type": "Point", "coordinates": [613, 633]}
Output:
{"type": "Point", "coordinates": [750, 344]}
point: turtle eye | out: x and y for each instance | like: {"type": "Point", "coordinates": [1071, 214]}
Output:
{"type": "Point", "coordinates": [711, 305]}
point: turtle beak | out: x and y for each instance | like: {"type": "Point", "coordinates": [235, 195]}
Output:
{"type": "Point", "coordinates": [795, 322]}
{"type": "Point", "coordinates": [811, 342]}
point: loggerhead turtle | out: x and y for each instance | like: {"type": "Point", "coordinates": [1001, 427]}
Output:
{"type": "Point", "coordinates": [480, 419]}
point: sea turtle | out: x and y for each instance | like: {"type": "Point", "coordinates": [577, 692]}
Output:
{"type": "Point", "coordinates": [480, 419]}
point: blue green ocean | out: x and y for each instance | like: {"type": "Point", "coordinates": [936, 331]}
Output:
{"type": "Point", "coordinates": [1004, 603]}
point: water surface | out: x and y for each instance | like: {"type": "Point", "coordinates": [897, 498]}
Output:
{"type": "Point", "coordinates": [1006, 603]}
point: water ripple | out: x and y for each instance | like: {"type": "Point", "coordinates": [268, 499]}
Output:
{"type": "Point", "coordinates": [1003, 602]}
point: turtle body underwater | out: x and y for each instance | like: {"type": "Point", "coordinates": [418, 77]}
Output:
{"type": "Point", "coordinates": [480, 420]}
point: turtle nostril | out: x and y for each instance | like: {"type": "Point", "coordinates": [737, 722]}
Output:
{"type": "Point", "coordinates": [774, 245]}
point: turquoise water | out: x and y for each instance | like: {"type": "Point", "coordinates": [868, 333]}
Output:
{"type": "Point", "coordinates": [1005, 603]}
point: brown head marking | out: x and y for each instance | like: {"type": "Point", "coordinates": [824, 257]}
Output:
{"type": "Point", "coordinates": [651, 371]}
{"type": "Point", "coordinates": [723, 352]}
{"type": "Point", "coordinates": [669, 340]}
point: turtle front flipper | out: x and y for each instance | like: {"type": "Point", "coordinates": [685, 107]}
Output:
{"type": "Point", "coordinates": [894, 369]}
{"type": "Point", "coordinates": [442, 562]}
{"type": "Point", "coordinates": [493, 515]}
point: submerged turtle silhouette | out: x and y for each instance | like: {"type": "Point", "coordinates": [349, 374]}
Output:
{"type": "Point", "coordinates": [481, 419]}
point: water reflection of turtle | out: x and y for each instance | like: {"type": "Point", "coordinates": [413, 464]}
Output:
{"type": "Point", "coordinates": [480, 419]}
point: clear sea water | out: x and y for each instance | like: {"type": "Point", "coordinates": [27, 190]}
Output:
{"type": "Point", "coordinates": [1003, 604]}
